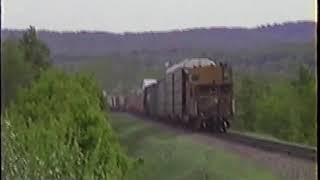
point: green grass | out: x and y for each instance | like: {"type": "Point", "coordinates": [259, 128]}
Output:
{"type": "Point", "coordinates": [169, 155]}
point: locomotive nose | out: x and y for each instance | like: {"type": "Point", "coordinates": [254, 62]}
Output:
{"type": "Point", "coordinates": [207, 105]}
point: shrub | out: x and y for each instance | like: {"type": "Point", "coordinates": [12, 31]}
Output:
{"type": "Point", "coordinates": [58, 129]}
{"type": "Point", "coordinates": [285, 109]}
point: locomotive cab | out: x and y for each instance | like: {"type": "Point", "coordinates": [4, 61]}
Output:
{"type": "Point", "coordinates": [210, 96]}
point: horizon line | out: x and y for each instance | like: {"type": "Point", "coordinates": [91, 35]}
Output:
{"type": "Point", "coordinates": [162, 31]}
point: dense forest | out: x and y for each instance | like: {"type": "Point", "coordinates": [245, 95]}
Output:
{"type": "Point", "coordinates": [174, 43]}
{"type": "Point", "coordinates": [113, 73]}
{"type": "Point", "coordinates": [285, 108]}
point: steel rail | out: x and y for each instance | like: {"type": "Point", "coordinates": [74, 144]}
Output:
{"type": "Point", "coordinates": [302, 152]}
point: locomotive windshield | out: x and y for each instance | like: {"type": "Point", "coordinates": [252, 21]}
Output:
{"type": "Point", "coordinates": [206, 90]}
{"type": "Point", "coordinates": [210, 90]}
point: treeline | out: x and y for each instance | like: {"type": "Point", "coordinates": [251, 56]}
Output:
{"type": "Point", "coordinates": [121, 66]}
{"type": "Point", "coordinates": [54, 125]}
{"type": "Point", "coordinates": [227, 39]}
{"type": "Point", "coordinates": [125, 72]}
{"type": "Point", "coordinates": [22, 61]}
{"type": "Point", "coordinates": [284, 108]}
{"type": "Point", "coordinates": [116, 74]}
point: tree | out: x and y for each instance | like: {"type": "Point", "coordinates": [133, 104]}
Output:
{"type": "Point", "coordinates": [283, 108]}
{"type": "Point", "coordinates": [22, 62]}
{"type": "Point", "coordinates": [246, 103]}
{"type": "Point", "coordinates": [305, 86]}
{"type": "Point", "coordinates": [35, 51]}
{"type": "Point", "coordinates": [16, 71]}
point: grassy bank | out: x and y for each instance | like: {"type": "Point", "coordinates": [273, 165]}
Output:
{"type": "Point", "coordinates": [170, 155]}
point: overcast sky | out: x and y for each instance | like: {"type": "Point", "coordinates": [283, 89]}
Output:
{"type": "Point", "coordinates": [147, 15]}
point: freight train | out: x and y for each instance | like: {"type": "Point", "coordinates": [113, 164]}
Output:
{"type": "Point", "coordinates": [196, 93]}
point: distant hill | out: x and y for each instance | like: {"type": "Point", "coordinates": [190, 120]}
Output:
{"type": "Point", "coordinates": [121, 61]}
{"type": "Point", "coordinates": [215, 39]}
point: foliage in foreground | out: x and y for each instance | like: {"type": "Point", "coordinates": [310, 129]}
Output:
{"type": "Point", "coordinates": [16, 71]}
{"type": "Point", "coordinates": [284, 109]}
{"type": "Point", "coordinates": [57, 129]}
{"type": "Point", "coordinates": [22, 62]}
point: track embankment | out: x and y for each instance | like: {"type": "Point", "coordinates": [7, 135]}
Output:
{"type": "Point", "coordinates": [297, 151]}
{"type": "Point", "coordinates": [290, 161]}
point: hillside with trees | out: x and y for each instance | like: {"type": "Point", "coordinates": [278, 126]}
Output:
{"type": "Point", "coordinates": [215, 39]}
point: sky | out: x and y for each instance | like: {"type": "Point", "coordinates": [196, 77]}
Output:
{"type": "Point", "coordinates": [150, 15]}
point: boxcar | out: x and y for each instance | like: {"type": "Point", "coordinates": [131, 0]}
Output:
{"type": "Point", "coordinates": [162, 99]}
{"type": "Point", "coordinates": [134, 102]}
{"type": "Point", "coordinates": [151, 100]}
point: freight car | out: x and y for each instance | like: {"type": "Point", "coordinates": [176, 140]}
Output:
{"type": "Point", "coordinates": [196, 92]}
{"type": "Point", "coordinates": [116, 102]}
{"type": "Point", "coordinates": [134, 102]}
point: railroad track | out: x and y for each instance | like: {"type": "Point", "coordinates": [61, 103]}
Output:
{"type": "Point", "coordinates": [302, 152]}
{"type": "Point", "coordinates": [292, 150]}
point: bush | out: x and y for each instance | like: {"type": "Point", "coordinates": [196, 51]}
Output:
{"type": "Point", "coordinates": [58, 129]}
{"type": "Point", "coordinates": [16, 72]}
